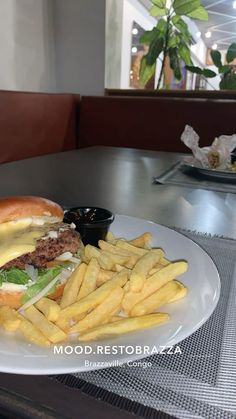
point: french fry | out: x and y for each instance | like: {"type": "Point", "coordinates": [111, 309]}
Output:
{"type": "Point", "coordinates": [115, 319]}
{"type": "Point", "coordinates": [73, 285]}
{"type": "Point", "coordinates": [104, 276]}
{"type": "Point", "coordinates": [164, 262]}
{"type": "Point", "coordinates": [9, 319]}
{"type": "Point", "coordinates": [64, 324]}
{"type": "Point", "coordinates": [142, 268]}
{"type": "Point", "coordinates": [94, 298]}
{"type": "Point", "coordinates": [112, 248]}
{"type": "Point", "coordinates": [155, 300]}
{"type": "Point", "coordinates": [89, 279]}
{"type": "Point", "coordinates": [143, 241]}
{"type": "Point", "coordinates": [106, 260]}
{"type": "Point", "coordinates": [49, 308]}
{"type": "Point", "coordinates": [118, 267]}
{"type": "Point", "coordinates": [116, 310]}
{"type": "Point", "coordinates": [125, 245]}
{"type": "Point", "coordinates": [182, 292]}
{"type": "Point", "coordinates": [32, 333]}
{"type": "Point", "coordinates": [109, 260]}
{"type": "Point", "coordinates": [101, 312]}
{"type": "Point", "coordinates": [124, 326]}
{"type": "Point", "coordinates": [132, 258]}
{"type": "Point", "coordinates": [110, 237]}
{"type": "Point", "coordinates": [126, 286]}
{"type": "Point", "coordinates": [47, 328]}
{"type": "Point", "coordinates": [153, 283]}
{"type": "Point", "coordinates": [91, 252]}
{"type": "Point", "coordinates": [154, 270]}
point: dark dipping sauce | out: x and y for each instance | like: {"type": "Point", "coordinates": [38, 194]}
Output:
{"type": "Point", "coordinates": [91, 222]}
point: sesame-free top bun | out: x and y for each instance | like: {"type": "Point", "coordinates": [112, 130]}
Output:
{"type": "Point", "coordinates": [15, 207]}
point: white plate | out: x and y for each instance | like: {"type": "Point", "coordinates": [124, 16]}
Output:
{"type": "Point", "coordinates": [190, 163]}
{"type": "Point", "coordinates": [202, 280]}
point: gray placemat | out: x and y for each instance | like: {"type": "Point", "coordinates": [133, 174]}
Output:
{"type": "Point", "coordinates": [201, 381]}
{"type": "Point", "coordinates": [178, 175]}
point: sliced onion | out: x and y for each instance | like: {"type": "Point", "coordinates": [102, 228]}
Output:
{"type": "Point", "coordinates": [75, 260]}
{"type": "Point", "coordinates": [31, 271]}
{"type": "Point", "coordinates": [63, 275]}
{"type": "Point", "coordinates": [64, 256]}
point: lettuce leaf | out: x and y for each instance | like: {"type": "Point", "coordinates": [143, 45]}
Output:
{"type": "Point", "coordinates": [14, 275]}
{"type": "Point", "coordinates": [45, 276]}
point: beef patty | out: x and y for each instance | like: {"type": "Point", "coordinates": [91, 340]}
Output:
{"type": "Point", "coordinates": [60, 238]}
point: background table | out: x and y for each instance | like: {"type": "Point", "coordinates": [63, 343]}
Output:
{"type": "Point", "coordinates": [121, 180]}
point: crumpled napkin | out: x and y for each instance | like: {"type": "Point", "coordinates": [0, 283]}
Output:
{"type": "Point", "coordinates": [218, 155]}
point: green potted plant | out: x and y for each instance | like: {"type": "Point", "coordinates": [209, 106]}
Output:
{"type": "Point", "coordinates": [226, 71]}
{"type": "Point", "coordinates": [170, 37]}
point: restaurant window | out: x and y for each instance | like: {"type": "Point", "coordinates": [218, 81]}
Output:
{"type": "Point", "coordinates": [137, 51]}
{"type": "Point", "coordinates": [126, 21]}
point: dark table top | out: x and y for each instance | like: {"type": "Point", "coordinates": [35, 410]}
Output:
{"type": "Point", "coordinates": [121, 180]}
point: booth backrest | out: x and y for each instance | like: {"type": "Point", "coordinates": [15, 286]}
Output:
{"type": "Point", "coordinates": [153, 123]}
{"type": "Point", "coordinates": [32, 124]}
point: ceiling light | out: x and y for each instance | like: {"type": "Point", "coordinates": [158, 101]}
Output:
{"type": "Point", "coordinates": [208, 34]}
{"type": "Point", "coordinates": [234, 4]}
{"type": "Point", "coordinates": [198, 34]}
{"type": "Point", "coordinates": [135, 31]}
{"type": "Point", "coordinates": [214, 46]}
{"type": "Point", "coordinates": [134, 50]}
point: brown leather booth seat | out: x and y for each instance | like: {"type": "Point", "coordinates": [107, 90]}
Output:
{"type": "Point", "coordinates": [153, 123]}
{"type": "Point", "coordinates": [32, 124]}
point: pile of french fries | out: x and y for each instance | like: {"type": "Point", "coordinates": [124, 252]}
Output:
{"type": "Point", "coordinates": [117, 288]}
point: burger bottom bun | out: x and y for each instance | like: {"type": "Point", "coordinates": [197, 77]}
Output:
{"type": "Point", "coordinates": [13, 299]}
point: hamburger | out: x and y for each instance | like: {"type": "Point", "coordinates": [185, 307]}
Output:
{"type": "Point", "coordinates": [37, 250]}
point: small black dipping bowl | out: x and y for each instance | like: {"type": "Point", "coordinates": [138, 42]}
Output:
{"type": "Point", "coordinates": [91, 222]}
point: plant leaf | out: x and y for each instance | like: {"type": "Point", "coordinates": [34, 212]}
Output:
{"type": "Point", "coordinates": [200, 13]}
{"type": "Point", "coordinates": [161, 26]}
{"type": "Point", "coordinates": [231, 53]}
{"type": "Point", "coordinates": [224, 69]}
{"type": "Point", "coordinates": [173, 40]}
{"type": "Point", "coordinates": [179, 23]}
{"type": "Point", "coordinates": [157, 11]}
{"type": "Point", "coordinates": [228, 82]}
{"type": "Point", "coordinates": [146, 71]}
{"type": "Point", "coordinates": [148, 36]}
{"type": "Point", "coordinates": [194, 69]}
{"type": "Point", "coordinates": [184, 53]}
{"type": "Point", "coordinates": [156, 47]}
{"type": "Point", "coordinates": [216, 58]}
{"type": "Point", "coordinates": [175, 63]}
{"type": "Point", "coordinates": [208, 73]}
{"type": "Point", "coordinates": [159, 3]}
{"type": "Point", "coordinates": [184, 7]}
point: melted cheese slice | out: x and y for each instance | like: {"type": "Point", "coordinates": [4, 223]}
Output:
{"type": "Point", "coordinates": [18, 238]}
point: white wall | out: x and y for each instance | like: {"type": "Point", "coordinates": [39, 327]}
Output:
{"type": "Point", "coordinates": [113, 46]}
{"type": "Point", "coordinates": [26, 45]}
{"type": "Point", "coordinates": [80, 46]}
{"type": "Point", "coordinates": [52, 45]}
